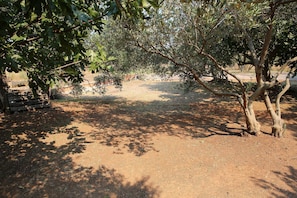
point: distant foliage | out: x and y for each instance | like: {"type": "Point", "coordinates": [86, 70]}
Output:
{"type": "Point", "coordinates": [77, 89]}
{"type": "Point", "coordinates": [102, 81]}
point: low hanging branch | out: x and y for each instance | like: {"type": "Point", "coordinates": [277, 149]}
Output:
{"type": "Point", "coordinates": [64, 66]}
{"type": "Point", "coordinates": [196, 77]}
{"type": "Point", "coordinates": [67, 65]}
{"type": "Point", "coordinates": [217, 65]}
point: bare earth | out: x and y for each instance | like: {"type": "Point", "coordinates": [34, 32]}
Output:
{"type": "Point", "coordinates": [148, 140]}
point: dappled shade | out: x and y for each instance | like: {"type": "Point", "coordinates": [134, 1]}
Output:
{"type": "Point", "coordinates": [32, 167]}
{"type": "Point", "coordinates": [289, 178]}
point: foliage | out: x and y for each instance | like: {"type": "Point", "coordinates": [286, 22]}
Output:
{"type": "Point", "coordinates": [283, 42]}
{"type": "Point", "coordinates": [41, 36]}
{"type": "Point", "coordinates": [45, 38]}
{"type": "Point", "coordinates": [180, 31]}
{"type": "Point", "coordinates": [118, 42]}
{"type": "Point", "coordinates": [199, 37]}
{"type": "Point", "coordinates": [99, 59]}
{"type": "Point", "coordinates": [77, 89]}
{"type": "Point", "coordinates": [102, 80]}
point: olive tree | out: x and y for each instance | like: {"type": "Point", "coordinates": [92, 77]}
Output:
{"type": "Point", "coordinates": [197, 34]}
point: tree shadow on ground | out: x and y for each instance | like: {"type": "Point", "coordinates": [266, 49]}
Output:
{"type": "Point", "coordinates": [175, 95]}
{"type": "Point", "coordinates": [32, 167]}
{"type": "Point", "coordinates": [173, 92]}
{"type": "Point", "coordinates": [131, 125]}
{"type": "Point", "coordinates": [289, 178]}
{"type": "Point", "coordinates": [290, 115]}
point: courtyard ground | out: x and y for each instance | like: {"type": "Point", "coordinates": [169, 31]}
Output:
{"type": "Point", "coordinates": [148, 140]}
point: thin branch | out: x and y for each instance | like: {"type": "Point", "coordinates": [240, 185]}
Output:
{"type": "Point", "coordinates": [119, 5]}
{"type": "Point", "coordinates": [260, 90]}
{"type": "Point", "coordinates": [196, 77]}
{"type": "Point", "coordinates": [219, 21]}
{"type": "Point", "coordinates": [67, 65]}
{"type": "Point", "coordinates": [285, 65]}
{"type": "Point", "coordinates": [216, 64]}
{"type": "Point", "coordinates": [222, 69]}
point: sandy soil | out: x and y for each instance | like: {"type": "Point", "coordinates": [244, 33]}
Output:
{"type": "Point", "coordinates": [148, 140]}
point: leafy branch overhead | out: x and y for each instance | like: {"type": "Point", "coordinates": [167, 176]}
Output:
{"type": "Point", "coordinates": [46, 38]}
{"type": "Point", "coordinates": [99, 60]}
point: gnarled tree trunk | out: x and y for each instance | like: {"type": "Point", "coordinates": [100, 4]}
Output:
{"type": "Point", "coordinates": [253, 126]}
{"type": "Point", "coordinates": [279, 126]}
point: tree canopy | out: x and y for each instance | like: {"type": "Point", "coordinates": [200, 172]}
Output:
{"type": "Point", "coordinates": [45, 38]}
{"type": "Point", "coordinates": [198, 35]}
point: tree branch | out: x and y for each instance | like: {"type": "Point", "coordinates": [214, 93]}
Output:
{"type": "Point", "coordinates": [260, 90]}
{"type": "Point", "coordinates": [268, 36]}
{"type": "Point", "coordinates": [119, 5]}
{"type": "Point", "coordinates": [277, 101]}
{"type": "Point", "coordinates": [286, 64]}
{"type": "Point", "coordinates": [196, 77]}
{"type": "Point", "coordinates": [67, 65]}
{"type": "Point", "coordinates": [216, 64]}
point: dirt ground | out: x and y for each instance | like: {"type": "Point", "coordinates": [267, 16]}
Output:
{"type": "Point", "coordinates": [148, 140]}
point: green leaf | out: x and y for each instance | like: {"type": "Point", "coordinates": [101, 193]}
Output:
{"type": "Point", "coordinates": [154, 3]}
{"type": "Point", "coordinates": [82, 16]}
{"type": "Point", "coordinates": [145, 4]}
{"type": "Point", "coordinates": [16, 57]}
{"type": "Point", "coordinates": [110, 68]}
{"type": "Point", "coordinates": [113, 9]}
{"type": "Point", "coordinates": [18, 38]}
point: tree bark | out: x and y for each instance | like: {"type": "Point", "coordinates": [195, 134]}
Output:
{"type": "Point", "coordinates": [252, 125]}
{"type": "Point", "coordinates": [279, 126]}
{"type": "Point", "coordinates": [4, 104]}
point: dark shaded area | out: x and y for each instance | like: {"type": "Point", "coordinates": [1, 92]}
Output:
{"type": "Point", "coordinates": [289, 178]}
{"type": "Point", "coordinates": [290, 115]}
{"type": "Point", "coordinates": [24, 101]}
{"type": "Point", "coordinates": [31, 167]}
{"type": "Point", "coordinates": [291, 94]}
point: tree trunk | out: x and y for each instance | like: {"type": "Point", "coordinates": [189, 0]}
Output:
{"type": "Point", "coordinates": [253, 126]}
{"type": "Point", "coordinates": [278, 127]}
{"type": "Point", "coordinates": [3, 93]}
